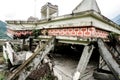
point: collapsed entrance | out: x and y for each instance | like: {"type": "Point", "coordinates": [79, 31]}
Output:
{"type": "Point", "coordinates": [66, 58]}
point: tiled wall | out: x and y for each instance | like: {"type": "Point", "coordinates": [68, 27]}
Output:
{"type": "Point", "coordinates": [80, 32]}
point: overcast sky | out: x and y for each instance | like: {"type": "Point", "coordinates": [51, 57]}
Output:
{"type": "Point", "coordinates": [22, 9]}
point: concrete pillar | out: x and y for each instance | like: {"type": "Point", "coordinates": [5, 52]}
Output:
{"type": "Point", "coordinates": [48, 12]}
{"type": "Point", "coordinates": [85, 57]}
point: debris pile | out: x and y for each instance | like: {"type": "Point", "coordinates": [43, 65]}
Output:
{"type": "Point", "coordinates": [42, 73]}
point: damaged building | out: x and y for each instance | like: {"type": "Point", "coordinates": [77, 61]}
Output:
{"type": "Point", "coordinates": [79, 46]}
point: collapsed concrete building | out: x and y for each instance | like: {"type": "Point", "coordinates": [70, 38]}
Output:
{"type": "Point", "coordinates": [74, 32]}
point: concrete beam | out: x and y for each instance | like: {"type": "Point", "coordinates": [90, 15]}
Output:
{"type": "Point", "coordinates": [109, 59]}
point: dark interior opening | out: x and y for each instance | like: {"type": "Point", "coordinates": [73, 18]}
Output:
{"type": "Point", "coordinates": [66, 58]}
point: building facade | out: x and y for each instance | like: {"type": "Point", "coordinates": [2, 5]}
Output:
{"type": "Point", "coordinates": [85, 21]}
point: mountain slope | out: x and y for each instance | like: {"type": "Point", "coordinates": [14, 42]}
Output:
{"type": "Point", "coordinates": [3, 29]}
{"type": "Point", "coordinates": [117, 19]}
{"type": "Point", "coordinates": [2, 26]}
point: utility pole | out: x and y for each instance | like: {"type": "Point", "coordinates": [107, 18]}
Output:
{"type": "Point", "coordinates": [35, 4]}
